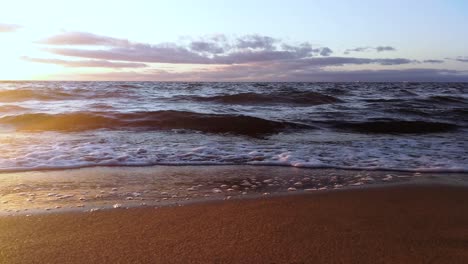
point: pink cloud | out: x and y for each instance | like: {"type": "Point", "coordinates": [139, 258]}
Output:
{"type": "Point", "coordinates": [215, 50]}
{"type": "Point", "coordinates": [83, 38]}
{"type": "Point", "coordinates": [87, 63]}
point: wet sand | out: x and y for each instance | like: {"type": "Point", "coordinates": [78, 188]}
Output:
{"type": "Point", "coordinates": [399, 224]}
{"type": "Point", "coordinates": [93, 188]}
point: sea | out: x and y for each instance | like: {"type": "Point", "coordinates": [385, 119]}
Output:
{"type": "Point", "coordinates": [91, 141]}
{"type": "Point", "coordinates": [372, 126]}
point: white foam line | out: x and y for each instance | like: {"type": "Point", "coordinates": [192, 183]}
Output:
{"type": "Point", "coordinates": [269, 164]}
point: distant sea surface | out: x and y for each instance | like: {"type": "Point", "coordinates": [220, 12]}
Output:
{"type": "Point", "coordinates": [396, 126]}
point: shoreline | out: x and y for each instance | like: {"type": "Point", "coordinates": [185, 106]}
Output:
{"type": "Point", "coordinates": [101, 188]}
{"type": "Point", "coordinates": [218, 200]}
{"type": "Point", "coordinates": [324, 167]}
{"type": "Point", "coordinates": [365, 225]}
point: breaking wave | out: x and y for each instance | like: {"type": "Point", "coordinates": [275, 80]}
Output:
{"type": "Point", "coordinates": [156, 120]}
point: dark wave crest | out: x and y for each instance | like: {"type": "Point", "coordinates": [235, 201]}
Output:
{"type": "Point", "coordinates": [294, 97]}
{"type": "Point", "coordinates": [157, 120]}
{"type": "Point", "coordinates": [447, 99]}
{"type": "Point", "coordinates": [128, 86]}
{"type": "Point", "coordinates": [397, 127]}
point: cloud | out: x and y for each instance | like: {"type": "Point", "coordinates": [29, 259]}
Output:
{"type": "Point", "coordinates": [208, 47]}
{"type": "Point", "coordinates": [462, 59]}
{"type": "Point", "coordinates": [162, 53]}
{"type": "Point", "coordinates": [245, 58]}
{"type": "Point", "coordinates": [171, 53]}
{"type": "Point", "coordinates": [368, 49]}
{"type": "Point", "coordinates": [8, 28]}
{"type": "Point", "coordinates": [433, 61]}
{"type": "Point", "coordinates": [359, 49]}
{"type": "Point", "coordinates": [416, 75]}
{"type": "Point", "coordinates": [326, 51]}
{"type": "Point", "coordinates": [212, 50]}
{"type": "Point", "coordinates": [256, 42]}
{"type": "Point", "coordinates": [298, 69]}
{"type": "Point", "coordinates": [320, 62]}
{"type": "Point", "coordinates": [87, 63]}
{"type": "Point", "coordinates": [260, 73]}
{"type": "Point", "coordinates": [459, 59]}
{"type": "Point", "coordinates": [176, 54]}
{"type": "Point", "coordinates": [307, 70]}
{"type": "Point", "coordinates": [384, 48]}
{"type": "Point", "coordinates": [83, 38]}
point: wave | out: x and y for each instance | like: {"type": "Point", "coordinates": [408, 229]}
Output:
{"type": "Point", "coordinates": [439, 99]}
{"type": "Point", "coordinates": [25, 94]}
{"type": "Point", "coordinates": [294, 97]}
{"type": "Point", "coordinates": [447, 99]}
{"type": "Point", "coordinates": [384, 100]}
{"type": "Point", "coordinates": [396, 127]}
{"type": "Point", "coordinates": [58, 94]}
{"type": "Point", "coordinates": [157, 120]}
{"type": "Point", "coordinates": [128, 86]}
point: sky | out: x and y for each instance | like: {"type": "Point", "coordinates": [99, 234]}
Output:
{"type": "Point", "coordinates": [182, 40]}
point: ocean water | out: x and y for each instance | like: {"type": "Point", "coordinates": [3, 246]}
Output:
{"type": "Point", "coordinates": [416, 127]}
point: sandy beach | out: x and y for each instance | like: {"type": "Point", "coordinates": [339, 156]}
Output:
{"type": "Point", "coordinates": [233, 132]}
{"type": "Point", "coordinates": [396, 224]}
